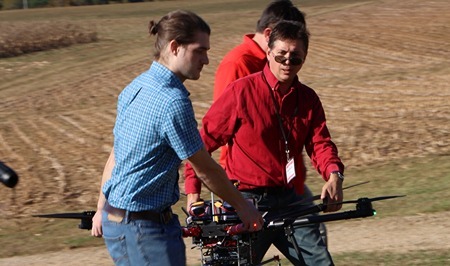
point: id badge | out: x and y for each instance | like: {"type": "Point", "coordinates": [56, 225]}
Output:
{"type": "Point", "coordinates": [290, 170]}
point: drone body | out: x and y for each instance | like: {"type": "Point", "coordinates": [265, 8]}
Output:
{"type": "Point", "coordinates": [218, 232]}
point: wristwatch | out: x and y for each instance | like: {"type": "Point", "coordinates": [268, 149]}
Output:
{"type": "Point", "coordinates": [339, 174]}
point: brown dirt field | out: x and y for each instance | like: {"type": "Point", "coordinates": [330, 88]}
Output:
{"type": "Point", "coordinates": [382, 71]}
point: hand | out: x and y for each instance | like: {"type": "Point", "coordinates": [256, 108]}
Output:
{"type": "Point", "coordinates": [97, 224]}
{"type": "Point", "coordinates": [192, 198]}
{"type": "Point", "coordinates": [332, 193]}
{"type": "Point", "coordinates": [251, 218]}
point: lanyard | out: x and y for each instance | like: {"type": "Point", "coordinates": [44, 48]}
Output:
{"type": "Point", "coordinates": [280, 120]}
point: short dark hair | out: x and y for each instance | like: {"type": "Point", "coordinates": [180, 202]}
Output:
{"type": "Point", "coordinates": [276, 11]}
{"type": "Point", "coordinates": [179, 25]}
{"type": "Point", "coordinates": [289, 30]}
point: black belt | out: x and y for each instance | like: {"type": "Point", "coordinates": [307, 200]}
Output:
{"type": "Point", "coordinates": [159, 217]}
{"type": "Point", "coordinates": [268, 190]}
{"type": "Point", "coordinates": [163, 217]}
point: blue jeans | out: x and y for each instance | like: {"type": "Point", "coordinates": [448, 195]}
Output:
{"type": "Point", "coordinates": [142, 242]}
{"type": "Point", "coordinates": [311, 245]}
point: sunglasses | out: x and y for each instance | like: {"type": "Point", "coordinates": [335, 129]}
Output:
{"type": "Point", "coordinates": [295, 61]}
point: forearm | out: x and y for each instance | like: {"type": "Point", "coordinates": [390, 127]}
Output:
{"type": "Point", "coordinates": [221, 185]}
{"type": "Point", "coordinates": [215, 179]}
{"type": "Point", "coordinates": [107, 172]}
{"type": "Point", "coordinates": [323, 152]}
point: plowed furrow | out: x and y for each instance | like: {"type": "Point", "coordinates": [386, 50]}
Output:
{"type": "Point", "coordinates": [50, 183]}
{"type": "Point", "coordinates": [79, 126]}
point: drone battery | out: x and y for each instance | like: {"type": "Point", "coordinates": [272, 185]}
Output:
{"type": "Point", "coordinates": [228, 213]}
{"type": "Point", "coordinates": [198, 209]}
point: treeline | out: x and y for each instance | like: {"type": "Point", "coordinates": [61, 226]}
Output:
{"type": "Point", "coordinates": [21, 4]}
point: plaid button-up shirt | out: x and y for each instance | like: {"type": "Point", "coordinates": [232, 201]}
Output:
{"type": "Point", "coordinates": [155, 130]}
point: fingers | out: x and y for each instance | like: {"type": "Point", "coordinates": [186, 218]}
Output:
{"type": "Point", "coordinates": [256, 225]}
{"type": "Point", "coordinates": [331, 195]}
{"type": "Point", "coordinates": [251, 218]}
{"type": "Point", "coordinates": [97, 232]}
{"type": "Point", "coordinates": [333, 207]}
{"type": "Point", "coordinates": [253, 226]}
{"type": "Point", "coordinates": [97, 225]}
{"type": "Point", "coordinates": [331, 202]}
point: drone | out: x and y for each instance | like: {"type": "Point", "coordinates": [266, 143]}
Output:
{"type": "Point", "coordinates": [217, 231]}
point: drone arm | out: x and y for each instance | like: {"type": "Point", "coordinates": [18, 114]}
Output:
{"type": "Point", "coordinates": [361, 212]}
{"type": "Point", "coordinates": [86, 217]}
{"type": "Point", "coordinates": [298, 213]}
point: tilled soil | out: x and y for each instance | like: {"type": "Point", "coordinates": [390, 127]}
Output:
{"type": "Point", "coordinates": [381, 69]}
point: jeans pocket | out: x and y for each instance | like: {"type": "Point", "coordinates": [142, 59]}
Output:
{"type": "Point", "coordinates": [162, 244]}
{"type": "Point", "coordinates": [115, 242]}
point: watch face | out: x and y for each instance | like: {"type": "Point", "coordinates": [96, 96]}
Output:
{"type": "Point", "coordinates": [340, 176]}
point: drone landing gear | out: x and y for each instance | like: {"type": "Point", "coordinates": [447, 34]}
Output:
{"type": "Point", "coordinates": [275, 258]}
{"type": "Point", "coordinates": [289, 231]}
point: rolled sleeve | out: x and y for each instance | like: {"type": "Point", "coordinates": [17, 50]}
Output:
{"type": "Point", "coordinates": [180, 129]}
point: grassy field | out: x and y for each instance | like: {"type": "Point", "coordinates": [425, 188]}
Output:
{"type": "Point", "coordinates": [380, 67]}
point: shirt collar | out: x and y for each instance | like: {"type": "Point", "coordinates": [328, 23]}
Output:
{"type": "Point", "coordinates": [256, 50]}
{"type": "Point", "coordinates": [273, 81]}
{"type": "Point", "coordinates": [166, 76]}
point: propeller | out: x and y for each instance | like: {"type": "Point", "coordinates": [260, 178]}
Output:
{"type": "Point", "coordinates": [322, 206]}
{"type": "Point", "coordinates": [86, 217]}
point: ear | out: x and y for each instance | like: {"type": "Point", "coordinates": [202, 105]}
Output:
{"type": "Point", "coordinates": [173, 47]}
{"type": "Point", "coordinates": [266, 33]}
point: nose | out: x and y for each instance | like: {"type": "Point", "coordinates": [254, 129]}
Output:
{"type": "Point", "coordinates": [206, 60]}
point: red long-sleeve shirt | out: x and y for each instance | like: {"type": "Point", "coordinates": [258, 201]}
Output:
{"type": "Point", "coordinates": [245, 118]}
{"type": "Point", "coordinates": [244, 59]}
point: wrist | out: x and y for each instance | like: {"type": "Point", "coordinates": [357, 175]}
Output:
{"type": "Point", "coordinates": [338, 174]}
{"type": "Point", "coordinates": [193, 197]}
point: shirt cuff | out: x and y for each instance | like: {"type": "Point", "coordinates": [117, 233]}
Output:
{"type": "Point", "coordinates": [330, 169]}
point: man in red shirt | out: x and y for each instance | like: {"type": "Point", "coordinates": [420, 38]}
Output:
{"type": "Point", "coordinates": [267, 118]}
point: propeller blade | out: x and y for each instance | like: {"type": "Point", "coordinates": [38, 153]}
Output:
{"type": "Point", "coordinates": [360, 199]}
{"type": "Point", "coordinates": [355, 185]}
{"type": "Point", "coordinates": [386, 197]}
{"type": "Point", "coordinates": [82, 215]}
{"type": "Point", "coordinates": [317, 197]}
